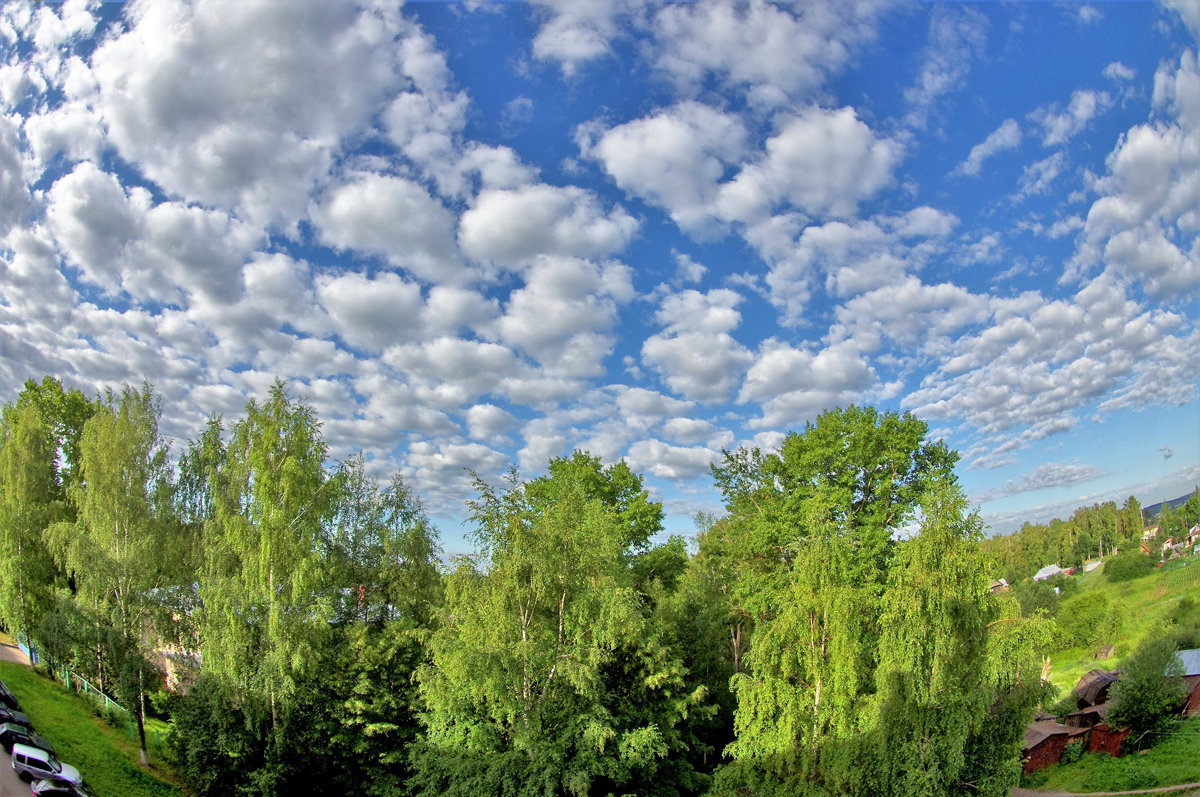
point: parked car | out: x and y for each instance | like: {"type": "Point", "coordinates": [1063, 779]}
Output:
{"type": "Point", "coordinates": [11, 733]}
{"type": "Point", "coordinates": [8, 698]}
{"type": "Point", "coordinates": [34, 763]}
{"type": "Point", "coordinates": [52, 787]}
{"type": "Point", "coordinates": [18, 717]}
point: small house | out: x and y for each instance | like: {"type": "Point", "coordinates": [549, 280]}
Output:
{"type": "Point", "coordinates": [1104, 739]}
{"type": "Point", "coordinates": [1045, 742]}
{"type": "Point", "coordinates": [1047, 572]}
{"type": "Point", "coordinates": [1092, 688]}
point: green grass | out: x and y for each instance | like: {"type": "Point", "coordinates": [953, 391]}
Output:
{"type": "Point", "coordinates": [1173, 759]}
{"type": "Point", "coordinates": [105, 755]}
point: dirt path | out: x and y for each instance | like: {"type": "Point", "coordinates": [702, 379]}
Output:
{"type": "Point", "coordinates": [1182, 790]}
{"type": "Point", "coordinates": [13, 653]}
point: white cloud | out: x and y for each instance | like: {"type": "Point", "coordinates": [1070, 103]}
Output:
{"type": "Point", "coordinates": [794, 385]}
{"type": "Point", "coordinates": [514, 226]}
{"type": "Point", "coordinates": [395, 218]}
{"type": "Point", "coordinates": [574, 34]}
{"type": "Point", "coordinates": [564, 314]}
{"type": "Point", "coordinates": [852, 257]}
{"type": "Point", "coordinates": [696, 353]}
{"type": "Point", "coordinates": [671, 462]}
{"type": "Point", "coordinates": [776, 54]}
{"type": "Point", "coordinates": [1035, 363]}
{"type": "Point", "coordinates": [1060, 125]}
{"type": "Point", "coordinates": [1144, 225]}
{"type": "Point", "coordinates": [450, 372]}
{"type": "Point", "coordinates": [1118, 71]}
{"type": "Point", "coordinates": [244, 107]}
{"type": "Point", "coordinates": [1189, 13]}
{"type": "Point", "coordinates": [822, 162]}
{"type": "Point", "coordinates": [120, 239]}
{"type": "Point", "coordinates": [1037, 177]}
{"type": "Point", "coordinates": [1043, 477]}
{"type": "Point", "coordinates": [674, 158]}
{"type": "Point", "coordinates": [956, 35]}
{"type": "Point", "coordinates": [15, 201]}
{"type": "Point", "coordinates": [489, 422]}
{"type": "Point", "coordinates": [1006, 136]}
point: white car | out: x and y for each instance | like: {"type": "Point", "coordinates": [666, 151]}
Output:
{"type": "Point", "coordinates": [33, 763]}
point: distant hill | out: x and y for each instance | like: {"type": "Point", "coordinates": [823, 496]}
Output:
{"type": "Point", "coordinates": [1152, 511]}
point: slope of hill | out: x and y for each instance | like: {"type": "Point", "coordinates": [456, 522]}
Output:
{"type": "Point", "coordinates": [105, 755]}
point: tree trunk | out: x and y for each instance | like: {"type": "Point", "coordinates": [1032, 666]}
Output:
{"type": "Point", "coordinates": [141, 715]}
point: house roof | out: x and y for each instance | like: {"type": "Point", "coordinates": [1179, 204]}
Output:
{"type": "Point", "coordinates": [1191, 661]}
{"type": "Point", "coordinates": [1038, 732]}
{"type": "Point", "coordinates": [1092, 684]}
{"type": "Point", "coordinates": [1100, 709]}
{"type": "Point", "coordinates": [1046, 572]}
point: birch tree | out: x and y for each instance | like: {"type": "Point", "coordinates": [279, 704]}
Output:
{"type": "Point", "coordinates": [116, 549]}
{"type": "Point", "coordinates": [263, 586]}
{"type": "Point", "coordinates": [536, 634]}
{"type": "Point", "coordinates": [28, 505]}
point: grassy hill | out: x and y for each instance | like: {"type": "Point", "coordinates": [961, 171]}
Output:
{"type": "Point", "coordinates": [105, 755]}
{"type": "Point", "coordinates": [1139, 609]}
{"type": "Point", "coordinates": [1142, 608]}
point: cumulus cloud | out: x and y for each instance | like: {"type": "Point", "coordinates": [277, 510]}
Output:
{"type": "Point", "coordinates": [1118, 71]}
{"type": "Point", "coordinates": [1035, 363]}
{"type": "Point", "coordinates": [513, 226]}
{"type": "Point", "coordinates": [395, 218]}
{"type": "Point", "coordinates": [851, 258]}
{"type": "Point", "coordinates": [120, 238]}
{"type": "Point", "coordinates": [674, 158]}
{"type": "Point", "coordinates": [1144, 224]}
{"type": "Point", "coordinates": [564, 314]}
{"type": "Point", "coordinates": [794, 385]}
{"type": "Point", "coordinates": [671, 462]}
{"type": "Point", "coordinates": [695, 353]}
{"type": "Point", "coordinates": [822, 162]}
{"type": "Point", "coordinates": [776, 53]}
{"type": "Point", "coordinates": [1037, 177]}
{"type": "Point", "coordinates": [574, 34]}
{"type": "Point", "coordinates": [1006, 136]}
{"type": "Point", "coordinates": [244, 107]}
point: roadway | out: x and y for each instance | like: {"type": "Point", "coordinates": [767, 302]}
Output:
{"type": "Point", "coordinates": [10, 784]}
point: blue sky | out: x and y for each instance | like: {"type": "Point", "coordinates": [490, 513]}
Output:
{"type": "Point", "coordinates": [476, 235]}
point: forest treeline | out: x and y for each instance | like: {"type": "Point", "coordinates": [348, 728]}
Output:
{"type": "Point", "coordinates": [1090, 532]}
{"type": "Point", "coordinates": [833, 632]}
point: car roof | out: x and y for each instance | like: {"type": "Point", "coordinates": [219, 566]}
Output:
{"type": "Point", "coordinates": [26, 749]}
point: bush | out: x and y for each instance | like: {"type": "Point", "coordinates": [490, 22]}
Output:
{"type": "Point", "coordinates": [1086, 620]}
{"type": "Point", "coordinates": [1072, 752]}
{"type": "Point", "coordinates": [1128, 566]}
{"type": "Point", "coordinates": [1185, 622]}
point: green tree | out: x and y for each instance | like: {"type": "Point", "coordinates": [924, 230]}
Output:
{"type": "Point", "coordinates": [932, 671]}
{"type": "Point", "coordinates": [546, 676]}
{"type": "Point", "coordinates": [1150, 691]}
{"type": "Point", "coordinates": [264, 589]}
{"type": "Point", "coordinates": [812, 530]}
{"type": "Point", "coordinates": [116, 549]}
{"type": "Point", "coordinates": [29, 503]}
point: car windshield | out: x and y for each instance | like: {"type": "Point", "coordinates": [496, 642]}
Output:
{"type": "Point", "coordinates": [54, 765]}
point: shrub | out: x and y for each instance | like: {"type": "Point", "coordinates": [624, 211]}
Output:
{"type": "Point", "coordinates": [1072, 752]}
{"type": "Point", "coordinates": [1128, 566]}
